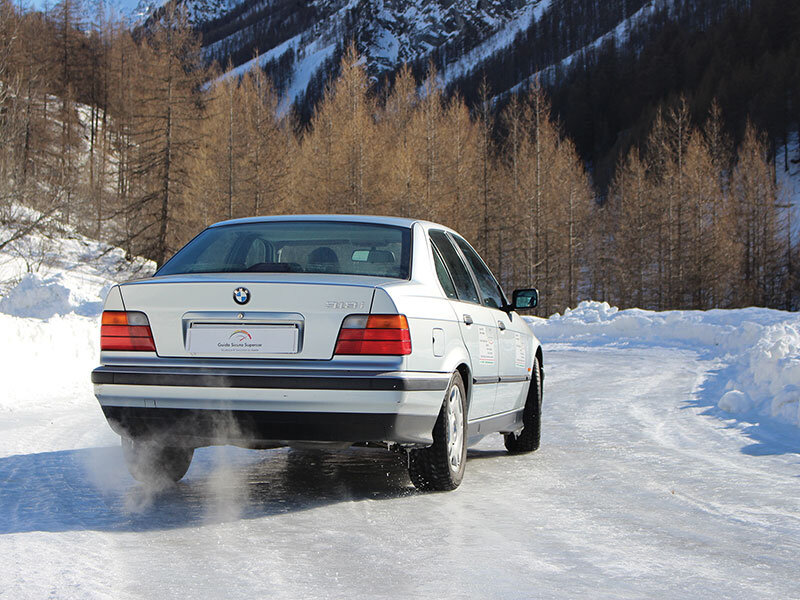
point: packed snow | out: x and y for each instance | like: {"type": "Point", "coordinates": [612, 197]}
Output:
{"type": "Point", "coordinates": [668, 468]}
{"type": "Point", "coordinates": [759, 348]}
{"type": "Point", "coordinates": [52, 286]}
{"type": "Point", "coordinates": [57, 271]}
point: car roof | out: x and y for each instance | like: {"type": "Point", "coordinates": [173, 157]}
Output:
{"type": "Point", "coordinates": [396, 221]}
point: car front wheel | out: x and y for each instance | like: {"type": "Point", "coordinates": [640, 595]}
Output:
{"type": "Point", "coordinates": [440, 467]}
{"type": "Point", "coordinates": [528, 439]}
{"type": "Point", "coordinates": [152, 463]}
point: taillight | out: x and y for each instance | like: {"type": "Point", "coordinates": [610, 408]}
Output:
{"type": "Point", "coordinates": [122, 330]}
{"type": "Point", "coordinates": [374, 334]}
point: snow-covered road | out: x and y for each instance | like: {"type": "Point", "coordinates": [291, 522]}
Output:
{"type": "Point", "coordinates": [635, 493]}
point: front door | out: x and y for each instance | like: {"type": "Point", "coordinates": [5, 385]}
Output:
{"type": "Point", "coordinates": [512, 342]}
{"type": "Point", "coordinates": [514, 339]}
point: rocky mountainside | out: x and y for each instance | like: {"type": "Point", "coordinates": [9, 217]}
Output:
{"type": "Point", "coordinates": [298, 43]}
{"type": "Point", "coordinates": [388, 32]}
{"type": "Point", "coordinates": [510, 42]}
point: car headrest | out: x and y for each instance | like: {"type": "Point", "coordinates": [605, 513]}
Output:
{"type": "Point", "coordinates": [380, 256]}
{"type": "Point", "coordinates": [323, 255]}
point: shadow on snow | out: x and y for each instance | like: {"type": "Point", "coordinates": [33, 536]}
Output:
{"type": "Point", "coordinates": [768, 436]}
{"type": "Point", "coordinates": [90, 489]}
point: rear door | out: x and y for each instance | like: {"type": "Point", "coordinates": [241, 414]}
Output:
{"type": "Point", "coordinates": [477, 323]}
{"type": "Point", "coordinates": [513, 341]}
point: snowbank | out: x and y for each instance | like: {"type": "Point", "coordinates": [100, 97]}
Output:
{"type": "Point", "coordinates": [52, 289]}
{"type": "Point", "coordinates": [42, 298]}
{"type": "Point", "coordinates": [761, 347]}
{"type": "Point", "coordinates": [61, 272]}
{"type": "Point", "coordinates": [47, 361]}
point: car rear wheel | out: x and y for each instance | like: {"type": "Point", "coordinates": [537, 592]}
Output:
{"type": "Point", "coordinates": [528, 439]}
{"type": "Point", "coordinates": [440, 467]}
{"type": "Point", "coordinates": [155, 464]}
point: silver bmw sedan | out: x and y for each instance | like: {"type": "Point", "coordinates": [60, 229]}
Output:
{"type": "Point", "coordinates": [320, 331]}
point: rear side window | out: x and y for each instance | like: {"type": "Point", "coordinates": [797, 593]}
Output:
{"type": "Point", "coordinates": [490, 289]}
{"type": "Point", "coordinates": [444, 276]}
{"type": "Point", "coordinates": [465, 288]}
{"type": "Point", "coordinates": [337, 247]}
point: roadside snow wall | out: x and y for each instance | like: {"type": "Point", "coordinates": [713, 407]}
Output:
{"type": "Point", "coordinates": [761, 345]}
{"type": "Point", "coordinates": [45, 359]}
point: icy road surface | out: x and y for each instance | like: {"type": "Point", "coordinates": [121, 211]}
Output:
{"type": "Point", "coordinates": [639, 490]}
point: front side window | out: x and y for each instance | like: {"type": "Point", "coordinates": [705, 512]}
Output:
{"type": "Point", "coordinates": [465, 288]}
{"type": "Point", "coordinates": [490, 290]}
{"type": "Point", "coordinates": [297, 247]}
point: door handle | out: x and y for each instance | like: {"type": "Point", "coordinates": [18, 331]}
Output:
{"type": "Point", "coordinates": [468, 320]}
{"type": "Point", "coordinates": [501, 326]}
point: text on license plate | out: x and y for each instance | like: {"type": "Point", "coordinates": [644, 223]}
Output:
{"type": "Point", "coordinates": [254, 339]}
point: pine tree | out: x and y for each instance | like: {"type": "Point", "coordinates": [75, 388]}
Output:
{"type": "Point", "coordinates": [338, 169]}
{"type": "Point", "coordinates": [428, 121]}
{"type": "Point", "coordinates": [759, 224]}
{"type": "Point", "coordinates": [398, 146]}
{"type": "Point", "coordinates": [484, 152]}
{"type": "Point", "coordinates": [68, 16]}
{"type": "Point", "coordinates": [268, 148]}
{"type": "Point", "coordinates": [459, 162]}
{"type": "Point", "coordinates": [166, 121]}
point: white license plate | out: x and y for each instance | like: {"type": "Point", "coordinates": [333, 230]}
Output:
{"type": "Point", "coordinates": [242, 340]}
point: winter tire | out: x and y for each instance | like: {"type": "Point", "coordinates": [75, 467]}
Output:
{"type": "Point", "coordinates": [528, 439]}
{"type": "Point", "coordinates": [154, 464]}
{"type": "Point", "coordinates": [440, 467]}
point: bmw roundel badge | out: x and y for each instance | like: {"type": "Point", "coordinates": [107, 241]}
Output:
{"type": "Point", "coordinates": [241, 295]}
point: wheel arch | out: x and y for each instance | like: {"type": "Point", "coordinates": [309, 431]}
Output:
{"type": "Point", "coordinates": [466, 376]}
{"type": "Point", "coordinates": [540, 357]}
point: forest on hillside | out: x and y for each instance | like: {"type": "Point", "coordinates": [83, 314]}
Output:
{"type": "Point", "coordinates": [742, 54]}
{"type": "Point", "coordinates": [134, 140]}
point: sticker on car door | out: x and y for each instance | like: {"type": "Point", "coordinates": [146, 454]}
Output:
{"type": "Point", "coordinates": [486, 346]}
{"type": "Point", "coordinates": [520, 358]}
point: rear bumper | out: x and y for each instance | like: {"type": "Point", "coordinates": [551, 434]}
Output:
{"type": "Point", "coordinates": [272, 379]}
{"type": "Point", "coordinates": [258, 406]}
{"type": "Point", "coordinates": [253, 427]}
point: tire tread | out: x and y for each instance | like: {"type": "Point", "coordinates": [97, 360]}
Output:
{"type": "Point", "coordinates": [529, 438]}
{"type": "Point", "coordinates": [429, 468]}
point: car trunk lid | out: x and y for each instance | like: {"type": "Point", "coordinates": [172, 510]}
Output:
{"type": "Point", "coordinates": [287, 315]}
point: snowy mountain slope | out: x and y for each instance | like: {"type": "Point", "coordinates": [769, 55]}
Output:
{"type": "Point", "coordinates": [387, 33]}
{"type": "Point", "coordinates": [460, 37]}
{"type": "Point", "coordinates": [495, 43]}
{"type": "Point", "coordinates": [620, 34]}
{"type": "Point", "coordinates": [137, 12]}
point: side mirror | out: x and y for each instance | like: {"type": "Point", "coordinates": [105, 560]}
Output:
{"type": "Point", "coordinates": [526, 298]}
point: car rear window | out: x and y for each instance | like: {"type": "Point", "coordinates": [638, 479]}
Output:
{"type": "Point", "coordinates": [297, 247]}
